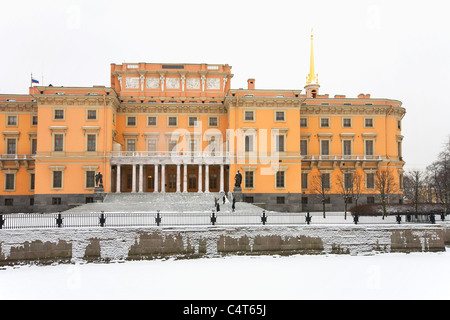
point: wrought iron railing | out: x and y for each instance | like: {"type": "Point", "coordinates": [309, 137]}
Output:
{"type": "Point", "coordinates": [161, 219]}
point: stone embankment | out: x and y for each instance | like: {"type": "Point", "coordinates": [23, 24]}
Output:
{"type": "Point", "coordinates": [120, 244]}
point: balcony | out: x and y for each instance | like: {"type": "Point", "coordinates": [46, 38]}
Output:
{"type": "Point", "coordinates": [26, 159]}
{"type": "Point", "coordinates": [169, 157]}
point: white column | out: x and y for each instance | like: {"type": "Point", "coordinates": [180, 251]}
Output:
{"type": "Point", "coordinates": [118, 179]}
{"type": "Point", "coordinates": [156, 177]}
{"type": "Point", "coordinates": [185, 179]}
{"type": "Point", "coordinates": [141, 178]}
{"type": "Point", "coordinates": [163, 178]}
{"type": "Point", "coordinates": [206, 178]}
{"type": "Point", "coordinates": [178, 178]}
{"type": "Point", "coordinates": [200, 180]}
{"type": "Point", "coordinates": [133, 180]}
{"type": "Point", "coordinates": [222, 174]}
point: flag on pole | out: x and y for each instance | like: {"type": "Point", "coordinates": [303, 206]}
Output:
{"type": "Point", "coordinates": [33, 80]}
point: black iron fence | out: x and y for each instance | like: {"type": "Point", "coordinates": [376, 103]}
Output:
{"type": "Point", "coordinates": [103, 219]}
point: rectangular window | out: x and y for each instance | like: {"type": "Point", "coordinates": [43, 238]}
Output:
{"type": "Point", "coordinates": [59, 114]}
{"type": "Point", "coordinates": [58, 142]}
{"type": "Point", "coordinates": [325, 147]}
{"type": "Point", "coordinates": [152, 145]}
{"type": "Point", "coordinates": [32, 178]}
{"type": "Point", "coordinates": [249, 116]}
{"type": "Point", "coordinates": [131, 121]}
{"type": "Point", "coordinates": [249, 179]}
{"type": "Point", "coordinates": [33, 146]}
{"type": "Point", "coordinates": [370, 180]}
{"type": "Point", "coordinates": [304, 147]}
{"type": "Point", "coordinates": [347, 147]}
{"type": "Point", "coordinates": [34, 121]}
{"type": "Point", "coordinates": [172, 122]}
{"type": "Point", "coordinates": [304, 181]}
{"type": "Point", "coordinates": [326, 180]}
{"type": "Point", "coordinates": [324, 122]}
{"type": "Point", "coordinates": [280, 200]}
{"type": "Point", "coordinates": [347, 122]}
{"type": "Point", "coordinates": [10, 179]}
{"type": "Point", "coordinates": [280, 179]}
{"type": "Point", "coordinates": [92, 115]}
{"type": "Point", "coordinates": [213, 122]}
{"type": "Point", "coordinates": [303, 122]}
{"type": "Point", "coordinates": [90, 179]}
{"type": "Point", "coordinates": [173, 145]}
{"type": "Point", "coordinates": [193, 121]}
{"type": "Point", "coordinates": [57, 179]}
{"type": "Point", "coordinates": [151, 121]}
{"type": "Point", "coordinates": [9, 202]}
{"type": "Point", "coordinates": [279, 140]}
{"type": "Point", "coordinates": [370, 200]}
{"type": "Point", "coordinates": [11, 146]}
{"type": "Point", "coordinates": [12, 120]}
{"type": "Point", "coordinates": [248, 143]}
{"type": "Point", "coordinates": [368, 122]}
{"type": "Point", "coordinates": [369, 147]}
{"type": "Point", "coordinates": [279, 116]}
{"type": "Point", "coordinates": [348, 181]}
{"type": "Point", "coordinates": [91, 142]}
{"type": "Point", "coordinates": [56, 201]}
{"type": "Point", "coordinates": [131, 144]}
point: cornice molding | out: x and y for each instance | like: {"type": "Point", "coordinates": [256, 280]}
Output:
{"type": "Point", "coordinates": [352, 110]}
{"type": "Point", "coordinates": [213, 108]}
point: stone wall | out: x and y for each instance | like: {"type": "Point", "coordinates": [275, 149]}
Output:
{"type": "Point", "coordinates": [108, 244]}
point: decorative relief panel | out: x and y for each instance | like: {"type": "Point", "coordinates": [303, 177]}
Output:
{"type": "Point", "coordinates": [213, 84]}
{"type": "Point", "coordinates": [172, 83]}
{"type": "Point", "coordinates": [152, 83]}
{"type": "Point", "coordinates": [132, 83]}
{"type": "Point", "coordinates": [193, 83]}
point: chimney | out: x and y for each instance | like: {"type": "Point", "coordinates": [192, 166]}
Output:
{"type": "Point", "coordinates": [251, 84]}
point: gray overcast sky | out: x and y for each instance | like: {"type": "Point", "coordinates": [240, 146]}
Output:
{"type": "Point", "coordinates": [390, 49]}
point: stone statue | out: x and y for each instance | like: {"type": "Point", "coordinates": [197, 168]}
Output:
{"type": "Point", "coordinates": [99, 180]}
{"type": "Point", "coordinates": [238, 179]}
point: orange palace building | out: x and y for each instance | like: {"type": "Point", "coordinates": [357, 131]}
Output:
{"type": "Point", "coordinates": [166, 128]}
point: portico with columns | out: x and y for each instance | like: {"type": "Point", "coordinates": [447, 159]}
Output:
{"type": "Point", "coordinates": [147, 175]}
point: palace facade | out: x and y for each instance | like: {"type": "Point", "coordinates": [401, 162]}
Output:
{"type": "Point", "coordinates": [165, 128]}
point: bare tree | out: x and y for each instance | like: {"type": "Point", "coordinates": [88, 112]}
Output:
{"type": "Point", "coordinates": [320, 185]}
{"type": "Point", "coordinates": [344, 184]}
{"type": "Point", "coordinates": [357, 189]}
{"type": "Point", "coordinates": [414, 187]}
{"type": "Point", "coordinates": [439, 172]}
{"type": "Point", "coordinates": [385, 185]}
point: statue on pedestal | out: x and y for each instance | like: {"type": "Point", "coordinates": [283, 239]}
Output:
{"type": "Point", "coordinates": [238, 179]}
{"type": "Point", "coordinates": [99, 180]}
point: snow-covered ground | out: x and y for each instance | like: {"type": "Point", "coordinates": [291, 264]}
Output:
{"type": "Point", "coordinates": [381, 276]}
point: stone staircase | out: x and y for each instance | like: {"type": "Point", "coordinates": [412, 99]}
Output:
{"type": "Point", "coordinates": [168, 202]}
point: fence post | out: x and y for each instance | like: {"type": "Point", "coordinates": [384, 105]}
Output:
{"type": "Point", "coordinates": [264, 218]}
{"type": "Point", "coordinates": [308, 218]}
{"type": "Point", "coordinates": [102, 219]}
{"type": "Point", "coordinates": [59, 220]}
{"type": "Point", "coordinates": [213, 218]}
{"type": "Point", "coordinates": [158, 218]}
{"type": "Point", "coordinates": [2, 221]}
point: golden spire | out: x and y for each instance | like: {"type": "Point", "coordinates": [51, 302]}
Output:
{"type": "Point", "coordinates": [312, 77]}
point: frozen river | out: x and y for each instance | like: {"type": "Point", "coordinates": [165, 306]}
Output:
{"type": "Point", "coordinates": [381, 276]}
